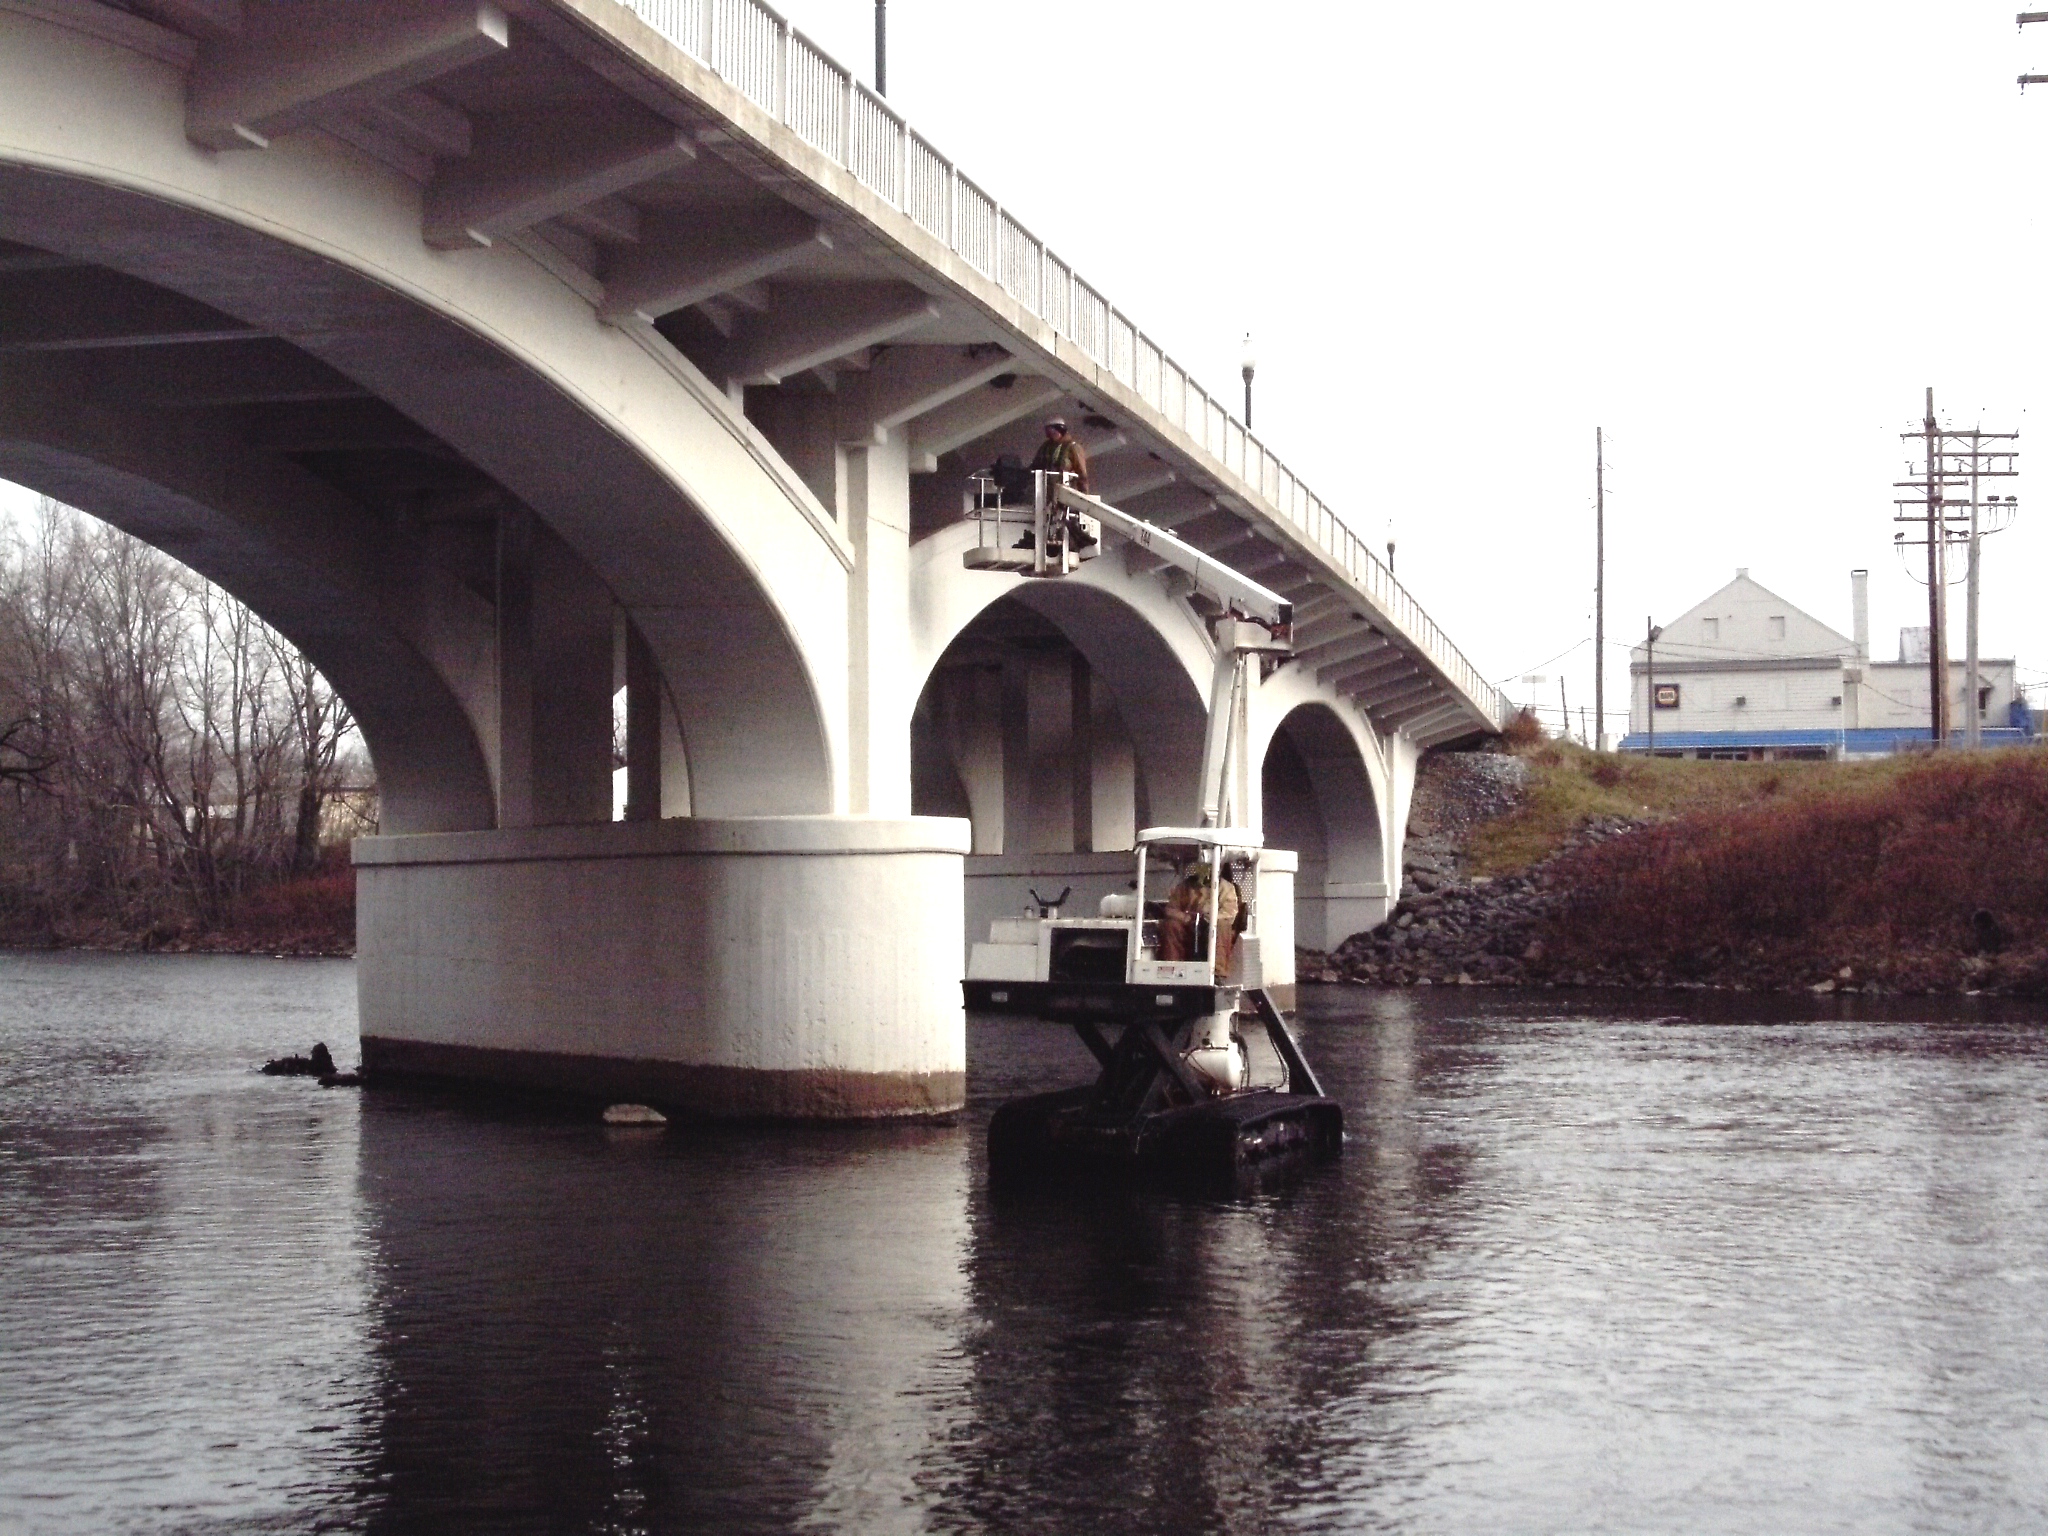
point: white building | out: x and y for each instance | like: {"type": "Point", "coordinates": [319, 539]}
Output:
{"type": "Point", "coordinates": [1746, 674]}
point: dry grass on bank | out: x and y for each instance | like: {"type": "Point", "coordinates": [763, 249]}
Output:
{"type": "Point", "coordinates": [1569, 786]}
{"type": "Point", "coordinates": [1919, 873]}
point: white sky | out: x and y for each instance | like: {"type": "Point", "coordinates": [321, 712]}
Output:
{"type": "Point", "coordinates": [1742, 238]}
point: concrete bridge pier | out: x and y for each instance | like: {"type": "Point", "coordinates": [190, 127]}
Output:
{"type": "Point", "coordinates": [775, 966]}
{"type": "Point", "coordinates": [799, 967]}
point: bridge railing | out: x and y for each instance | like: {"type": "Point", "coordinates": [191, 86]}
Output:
{"type": "Point", "coordinates": [756, 51]}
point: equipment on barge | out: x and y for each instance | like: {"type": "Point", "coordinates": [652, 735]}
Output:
{"type": "Point", "coordinates": [1164, 984]}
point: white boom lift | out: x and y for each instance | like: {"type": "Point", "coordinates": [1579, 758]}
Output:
{"type": "Point", "coordinates": [1170, 964]}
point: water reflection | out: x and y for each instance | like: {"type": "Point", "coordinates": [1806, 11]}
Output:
{"type": "Point", "coordinates": [727, 1331]}
{"type": "Point", "coordinates": [1585, 1265]}
{"type": "Point", "coordinates": [182, 1263]}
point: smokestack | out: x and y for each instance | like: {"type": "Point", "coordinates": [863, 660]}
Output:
{"type": "Point", "coordinates": [1859, 605]}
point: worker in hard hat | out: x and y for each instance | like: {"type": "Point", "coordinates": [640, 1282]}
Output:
{"type": "Point", "coordinates": [1062, 454]}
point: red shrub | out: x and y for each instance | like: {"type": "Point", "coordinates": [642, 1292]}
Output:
{"type": "Point", "coordinates": [1885, 877]}
{"type": "Point", "coordinates": [309, 912]}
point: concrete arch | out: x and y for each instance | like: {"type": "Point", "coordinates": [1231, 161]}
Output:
{"type": "Point", "coordinates": [1146, 662]}
{"type": "Point", "coordinates": [1319, 799]}
{"type": "Point", "coordinates": [275, 538]}
{"type": "Point", "coordinates": [727, 565]}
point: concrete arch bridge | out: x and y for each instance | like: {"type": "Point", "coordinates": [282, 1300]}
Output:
{"type": "Point", "coordinates": [509, 355]}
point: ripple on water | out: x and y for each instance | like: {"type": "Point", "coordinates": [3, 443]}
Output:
{"type": "Point", "coordinates": [1586, 1265]}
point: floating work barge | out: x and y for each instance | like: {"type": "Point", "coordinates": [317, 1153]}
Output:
{"type": "Point", "coordinates": [1200, 1076]}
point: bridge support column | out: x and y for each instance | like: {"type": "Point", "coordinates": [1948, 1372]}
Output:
{"type": "Point", "coordinates": [781, 967]}
{"type": "Point", "coordinates": [1277, 869]}
{"type": "Point", "coordinates": [555, 641]}
{"type": "Point", "coordinates": [881, 667]}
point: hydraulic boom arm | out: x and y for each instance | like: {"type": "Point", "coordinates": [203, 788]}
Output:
{"type": "Point", "coordinates": [1219, 581]}
{"type": "Point", "coordinates": [1256, 622]}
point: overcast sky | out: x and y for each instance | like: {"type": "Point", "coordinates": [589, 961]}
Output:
{"type": "Point", "coordinates": [1743, 238]}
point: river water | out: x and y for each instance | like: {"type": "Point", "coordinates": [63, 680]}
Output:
{"type": "Point", "coordinates": [1590, 1263]}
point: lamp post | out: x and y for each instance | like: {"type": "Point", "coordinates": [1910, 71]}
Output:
{"type": "Point", "coordinates": [1251, 366]}
{"type": "Point", "coordinates": [881, 47]}
{"type": "Point", "coordinates": [1650, 682]}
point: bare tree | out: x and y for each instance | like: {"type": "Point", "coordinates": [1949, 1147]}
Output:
{"type": "Point", "coordinates": [320, 723]}
{"type": "Point", "coordinates": [167, 751]}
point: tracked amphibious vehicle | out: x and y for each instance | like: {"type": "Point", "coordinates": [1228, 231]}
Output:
{"type": "Point", "coordinates": [1165, 984]}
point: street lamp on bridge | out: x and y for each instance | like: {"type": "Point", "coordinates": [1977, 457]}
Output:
{"type": "Point", "coordinates": [1251, 366]}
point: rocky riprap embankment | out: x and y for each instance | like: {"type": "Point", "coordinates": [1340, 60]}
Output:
{"type": "Point", "coordinates": [1455, 793]}
{"type": "Point", "coordinates": [1449, 931]}
{"type": "Point", "coordinates": [1535, 928]}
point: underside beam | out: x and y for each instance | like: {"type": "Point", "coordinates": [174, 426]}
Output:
{"type": "Point", "coordinates": [809, 327]}
{"type": "Point", "coordinates": [978, 413]}
{"type": "Point", "coordinates": [525, 170]}
{"type": "Point", "coordinates": [296, 59]}
{"type": "Point", "coordinates": [679, 263]}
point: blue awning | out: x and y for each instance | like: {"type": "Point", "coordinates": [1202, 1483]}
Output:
{"type": "Point", "coordinates": [1873, 741]}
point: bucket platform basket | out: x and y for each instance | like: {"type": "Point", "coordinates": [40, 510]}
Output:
{"type": "Point", "coordinates": [1034, 538]}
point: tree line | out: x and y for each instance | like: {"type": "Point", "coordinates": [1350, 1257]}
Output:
{"type": "Point", "coordinates": [164, 754]}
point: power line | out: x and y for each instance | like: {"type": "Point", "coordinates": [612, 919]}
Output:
{"type": "Point", "coordinates": [1952, 462]}
{"type": "Point", "coordinates": [1521, 672]}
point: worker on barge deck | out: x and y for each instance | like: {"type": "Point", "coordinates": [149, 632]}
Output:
{"type": "Point", "coordinates": [1180, 928]}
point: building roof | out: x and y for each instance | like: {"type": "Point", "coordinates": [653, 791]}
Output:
{"type": "Point", "coordinates": [1804, 637]}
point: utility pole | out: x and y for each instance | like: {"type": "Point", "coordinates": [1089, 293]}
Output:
{"type": "Point", "coordinates": [1949, 480]}
{"type": "Point", "coordinates": [881, 47]}
{"type": "Point", "coordinates": [1564, 710]}
{"type": "Point", "coordinates": [1650, 681]}
{"type": "Point", "coordinates": [1600, 587]}
{"type": "Point", "coordinates": [1973, 725]}
{"type": "Point", "coordinates": [1937, 585]}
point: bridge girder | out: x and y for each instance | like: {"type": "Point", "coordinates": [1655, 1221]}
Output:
{"type": "Point", "coordinates": [678, 262]}
{"type": "Point", "coordinates": [1374, 670]}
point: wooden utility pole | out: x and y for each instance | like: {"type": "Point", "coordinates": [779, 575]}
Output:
{"type": "Point", "coordinates": [1599, 589]}
{"type": "Point", "coordinates": [1973, 723]}
{"type": "Point", "coordinates": [1954, 466]}
{"type": "Point", "coordinates": [1937, 583]}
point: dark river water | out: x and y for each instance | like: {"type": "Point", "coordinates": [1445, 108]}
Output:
{"type": "Point", "coordinates": [1590, 1263]}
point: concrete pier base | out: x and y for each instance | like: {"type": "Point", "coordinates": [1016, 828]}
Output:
{"type": "Point", "coordinates": [801, 967]}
